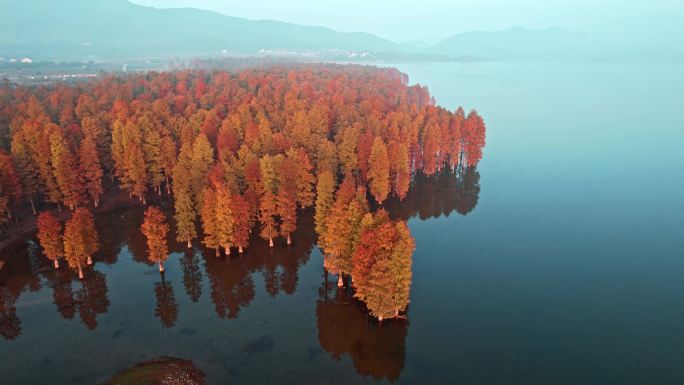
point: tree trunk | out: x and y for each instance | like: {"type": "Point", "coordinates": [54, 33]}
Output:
{"type": "Point", "coordinates": [80, 273]}
{"type": "Point", "coordinates": [380, 318]}
{"type": "Point", "coordinates": [240, 249]}
{"type": "Point", "coordinates": [56, 263]}
{"type": "Point", "coordinates": [227, 249]}
{"type": "Point", "coordinates": [189, 243]}
{"type": "Point", "coordinates": [340, 282]}
{"type": "Point", "coordinates": [96, 201]}
{"type": "Point", "coordinates": [289, 240]}
{"type": "Point", "coordinates": [218, 252]}
{"type": "Point", "coordinates": [144, 201]}
{"type": "Point", "coordinates": [90, 261]}
{"type": "Point", "coordinates": [270, 242]}
{"type": "Point", "coordinates": [33, 207]}
{"type": "Point", "coordinates": [161, 266]}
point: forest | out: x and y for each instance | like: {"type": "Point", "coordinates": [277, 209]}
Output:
{"type": "Point", "coordinates": [238, 157]}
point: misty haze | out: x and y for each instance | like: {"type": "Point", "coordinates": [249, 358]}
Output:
{"type": "Point", "coordinates": [202, 192]}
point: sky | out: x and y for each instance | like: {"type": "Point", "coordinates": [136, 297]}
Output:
{"type": "Point", "coordinates": [433, 20]}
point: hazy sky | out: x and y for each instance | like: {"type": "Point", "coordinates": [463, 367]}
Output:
{"type": "Point", "coordinates": [431, 20]}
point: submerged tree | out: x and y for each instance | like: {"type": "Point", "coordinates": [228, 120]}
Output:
{"type": "Point", "coordinates": [10, 187]}
{"type": "Point", "coordinates": [242, 225]}
{"type": "Point", "coordinates": [66, 173]}
{"type": "Point", "coordinates": [379, 171]}
{"type": "Point", "coordinates": [184, 203]}
{"type": "Point", "coordinates": [342, 232]}
{"type": "Point", "coordinates": [268, 204]}
{"type": "Point", "coordinates": [286, 198]}
{"type": "Point", "coordinates": [325, 189]}
{"type": "Point", "coordinates": [80, 240]}
{"type": "Point", "coordinates": [209, 224]}
{"type": "Point", "coordinates": [155, 230]}
{"type": "Point", "coordinates": [382, 265]}
{"type": "Point", "coordinates": [91, 171]}
{"type": "Point", "coordinates": [50, 237]}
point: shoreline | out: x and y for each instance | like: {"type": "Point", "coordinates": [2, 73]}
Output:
{"type": "Point", "coordinates": [112, 198]}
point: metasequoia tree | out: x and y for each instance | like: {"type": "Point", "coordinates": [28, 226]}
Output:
{"type": "Point", "coordinates": [183, 198]}
{"type": "Point", "coordinates": [208, 216]}
{"type": "Point", "coordinates": [90, 169]}
{"type": "Point", "coordinates": [473, 138]}
{"type": "Point", "coordinates": [325, 189]}
{"type": "Point", "coordinates": [342, 231]}
{"type": "Point", "coordinates": [382, 265]}
{"type": "Point", "coordinates": [50, 237]}
{"type": "Point", "coordinates": [241, 222]}
{"type": "Point", "coordinates": [225, 222]}
{"type": "Point", "coordinates": [155, 229]}
{"type": "Point", "coordinates": [379, 171]}
{"type": "Point", "coordinates": [80, 240]}
{"type": "Point", "coordinates": [65, 168]}
{"type": "Point", "coordinates": [268, 205]}
{"type": "Point", "coordinates": [10, 186]}
{"type": "Point", "coordinates": [287, 174]}
{"type": "Point", "coordinates": [27, 169]}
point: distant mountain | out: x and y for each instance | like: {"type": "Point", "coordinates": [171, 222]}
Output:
{"type": "Point", "coordinates": [114, 28]}
{"type": "Point", "coordinates": [110, 29]}
{"type": "Point", "coordinates": [517, 43]}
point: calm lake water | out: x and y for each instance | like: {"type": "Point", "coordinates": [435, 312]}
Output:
{"type": "Point", "coordinates": [567, 267]}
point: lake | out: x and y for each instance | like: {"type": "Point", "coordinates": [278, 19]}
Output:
{"type": "Point", "coordinates": [559, 260]}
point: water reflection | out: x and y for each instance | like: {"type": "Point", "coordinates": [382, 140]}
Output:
{"type": "Point", "coordinates": [345, 328]}
{"type": "Point", "coordinates": [192, 275]}
{"type": "Point", "coordinates": [16, 275]}
{"type": "Point", "coordinates": [377, 350]}
{"type": "Point", "coordinates": [167, 307]}
{"type": "Point", "coordinates": [230, 279]}
{"type": "Point", "coordinates": [440, 194]}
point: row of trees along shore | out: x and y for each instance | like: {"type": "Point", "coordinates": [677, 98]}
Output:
{"type": "Point", "coordinates": [236, 152]}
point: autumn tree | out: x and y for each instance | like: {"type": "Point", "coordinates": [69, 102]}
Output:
{"type": "Point", "coordinates": [26, 168]}
{"type": "Point", "coordinates": [325, 188]}
{"type": "Point", "coordinates": [50, 237]}
{"type": "Point", "coordinates": [473, 138]}
{"type": "Point", "coordinates": [342, 230]}
{"type": "Point", "coordinates": [201, 161]}
{"type": "Point", "coordinates": [304, 178]}
{"type": "Point", "coordinates": [80, 240]}
{"type": "Point", "coordinates": [155, 229]}
{"type": "Point", "coordinates": [287, 174]}
{"type": "Point", "coordinates": [382, 265]}
{"type": "Point", "coordinates": [90, 169]}
{"type": "Point", "coordinates": [184, 203]}
{"type": "Point", "coordinates": [209, 224]}
{"type": "Point", "coordinates": [400, 169]}
{"type": "Point", "coordinates": [65, 168]}
{"type": "Point", "coordinates": [168, 158]}
{"type": "Point", "coordinates": [225, 222]}
{"type": "Point", "coordinates": [10, 186]}
{"type": "Point", "coordinates": [242, 225]}
{"type": "Point", "coordinates": [268, 204]}
{"type": "Point", "coordinates": [379, 171]}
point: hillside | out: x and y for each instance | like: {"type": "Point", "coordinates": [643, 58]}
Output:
{"type": "Point", "coordinates": [114, 28]}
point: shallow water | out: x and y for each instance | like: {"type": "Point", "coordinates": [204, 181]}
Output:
{"type": "Point", "coordinates": [566, 267]}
